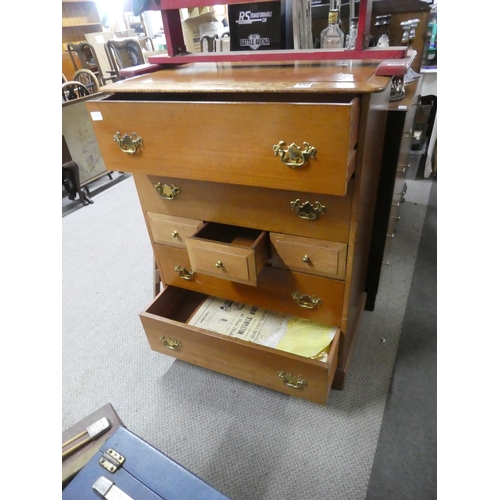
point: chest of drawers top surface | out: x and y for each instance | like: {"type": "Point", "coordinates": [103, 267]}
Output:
{"type": "Point", "coordinates": [330, 77]}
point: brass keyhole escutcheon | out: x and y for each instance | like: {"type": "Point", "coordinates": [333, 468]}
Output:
{"type": "Point", "coordinates": [218, 264]}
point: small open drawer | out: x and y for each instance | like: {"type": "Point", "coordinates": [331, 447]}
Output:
{"type": "Point", "coordinates": [165, 322]}
{"type": "Point", "coordinates": [228, 252]}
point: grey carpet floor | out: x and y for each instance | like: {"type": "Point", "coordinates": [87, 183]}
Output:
{"type": "Point", "coordinates": [405, 464]}
{"type": "Point", "coordinates": [248, 442]}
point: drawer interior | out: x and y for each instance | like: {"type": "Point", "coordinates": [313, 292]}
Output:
{"type": "Point", "coordinates": [176, 304]}
{"type": "Point", "coordinates": [180, 305]}
{"type": "Point", "coordinates": [316, 97]}
{"type": "Point", "coordinates": [166, 324]}
{"type": "Point", "coordinates": [232, 235]}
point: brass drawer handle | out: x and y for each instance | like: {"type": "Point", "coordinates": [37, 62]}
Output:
{"type": "Point", "coordinates": [185, 274]}
{"type": "Point", "coordinates": [293, 156]}
{"type": "Point", "coordinates": [171, 343]}
{"type": "Point", "coordinates": [218, 264]}
{"type": "Point", "coordinates": [307, 210]}
{"type": "Point", "coordinates": [306, 301]}
{"type": "Point", "coordinates": [306, 258]}
{"type": "Point", "coordinates": [292, 381]}
{"type": "Point", "coordinates": [128, 143]}
{"type": "Point", "coordinates": [167, 192]}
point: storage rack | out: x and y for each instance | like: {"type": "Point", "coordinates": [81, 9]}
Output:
{"type": "Point", "coordinates": [176, 49]}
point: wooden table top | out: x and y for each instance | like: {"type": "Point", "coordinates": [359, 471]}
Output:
{"type": "Point", "coordinates": [326, 76]}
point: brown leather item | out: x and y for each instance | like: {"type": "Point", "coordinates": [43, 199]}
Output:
{"type": "Point", "coordinates": [73, 463]}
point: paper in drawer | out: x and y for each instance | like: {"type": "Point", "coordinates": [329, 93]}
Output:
{"type": "Point", "coordinates": [263, 326]}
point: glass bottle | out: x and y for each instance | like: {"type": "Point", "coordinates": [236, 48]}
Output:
{"type": "Point", "coordinates": [382, 24]}
{"type": "Point", "coordinates": [430, 50]}
{"type": "Point", "coordinates": [332, 37]}
{"type": "Point", "coordinates": [353, 34]}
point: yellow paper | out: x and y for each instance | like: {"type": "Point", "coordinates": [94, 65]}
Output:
{"type": "Point", "coordinates": [305, 338]}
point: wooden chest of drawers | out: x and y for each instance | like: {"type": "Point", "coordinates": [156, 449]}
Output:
{"type": "Point", "coordinates": [257, 185]}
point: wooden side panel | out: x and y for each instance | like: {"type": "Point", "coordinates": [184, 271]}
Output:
{"type": "Point", "coordinates": [373, 115]}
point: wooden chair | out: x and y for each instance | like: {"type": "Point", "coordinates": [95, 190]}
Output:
{"type": "Point", "coordinates": [71, 176]}
{"type": "Point", "coordinates": [87, 78]}
{"type": "Point", "coordinates": [73, 90]}
{"type": "Point", "coordinates": [83, 56]}
{"type": "Point", "coordinates": [147, 43]}
{"type": "Point", "coordinates": [123, 54]}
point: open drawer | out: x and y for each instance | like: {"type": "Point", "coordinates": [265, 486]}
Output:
{"type": "Point", "coordinates": [298, 146]}
{"type": "Point", "coordinates": [165, 322]}
{"type": "Point", "coordinates": [228, 252]}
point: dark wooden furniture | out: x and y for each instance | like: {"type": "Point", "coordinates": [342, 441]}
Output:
{"type": "Point", "coordinates": [392, 184]}
{"type": "Point", "coordinates": [123, 53]}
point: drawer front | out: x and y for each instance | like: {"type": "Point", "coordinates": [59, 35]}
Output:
{"type": "Point", "coordinates": [276, 288]}
{"type": "Point", "coordinates": [265, 209]}
{"type": "Point", "coordinates": [170, 230]}
{"type": "Point", "coordinates": [168, 136]}
{"type": "Point", "coordinates": [165, 323]}
{"type": "Point", "coordinates": [400, 186]}
{"type": "Point", "coordinates": [240, 257]}
{"type": "Point", "coordinates": [307, 255]}
{"type": "Point", "coordinates": [395, 213]}
{"type": "Point", "coordinates": [391, 227]}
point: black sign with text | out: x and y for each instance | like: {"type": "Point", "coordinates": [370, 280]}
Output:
{"type": "Point", "coordinates": [255, 26]}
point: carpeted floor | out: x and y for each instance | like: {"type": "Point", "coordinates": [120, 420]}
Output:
{"type": "Point", "coordinates": [405, 464]}
{"type": "Point", "coordinates": [249, 442]}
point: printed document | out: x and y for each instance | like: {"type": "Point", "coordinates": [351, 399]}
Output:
{"type": "Point", "coordinates": [265, 327]}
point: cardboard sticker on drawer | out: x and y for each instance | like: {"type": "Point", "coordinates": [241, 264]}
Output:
{"type": "Point", "coordinates": [262, 326]}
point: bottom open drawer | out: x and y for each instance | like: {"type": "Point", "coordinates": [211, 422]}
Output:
{"type": "Point", "coordinates": [165, 322]}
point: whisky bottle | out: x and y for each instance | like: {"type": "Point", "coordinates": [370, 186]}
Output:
{"type": "Point", "coordinates": [332, 37]}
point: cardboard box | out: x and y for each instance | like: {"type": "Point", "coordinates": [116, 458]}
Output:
{"type": "Point", "coordinates": [256, 26]}
{"type": "Point", "coordinates": [191, 29]}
